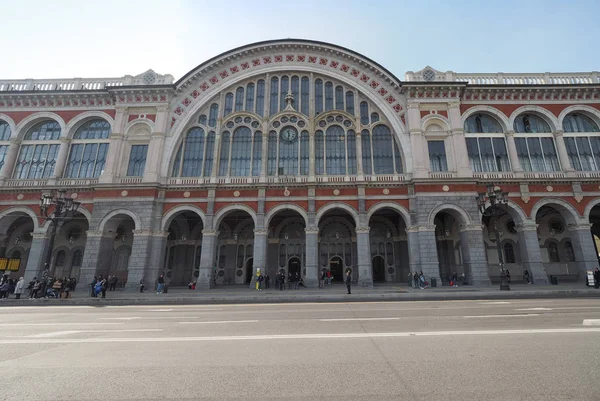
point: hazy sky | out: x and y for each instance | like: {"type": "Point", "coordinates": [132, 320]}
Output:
{"type": "Point", "coordinates": [109, 38]}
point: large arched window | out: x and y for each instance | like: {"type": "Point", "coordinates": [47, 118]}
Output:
{"type": "Point", "coordinates": [4, 137]}
{"type": "Point", "coordinates": [367, 161]}
{"type": "Point", "coordinates": [260, 97]}
{"type": "Point", "coordinates": [89, 149]}
{"type": "Point", "coordinates": [193, 150]}
{"type": "Point", "coordinates": [335, 146]}
{"type": "Point", "coordinates": [535, 148]}
{"type": "Point", "coordinates": [509, 253]}
{"type": "Point", "coordinates": [383, 154]}
{"type": "Point", "coordinates": [239, 99]}
{"type": "Point", "coordinates": [319, 152]}
{"type": "Point", "coordinates": [37, 156]}
{"type": "Point", "coordinates": [257, 154]}
{"type": "Point", "coordinates": [288, 154]}
{"type": "Point", "coordinates": [583, 150]}
{"type": "Point", "coordinates": [240, 156]}
{"type": "Point", "coordinates": [318, 96]}
{"type": "Point", "coordinates": [224, 159]}
{"type": "Point", "coordinates": [482, 123]}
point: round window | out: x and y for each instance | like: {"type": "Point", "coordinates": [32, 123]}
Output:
{"type": "Point", "coordinates": [510, 227]}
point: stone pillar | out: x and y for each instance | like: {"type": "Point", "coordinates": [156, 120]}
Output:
{"type": "Point", "coordinates": [156, 259]}
{"type": "Point", "coordinates": [473, 254]}
{"type": "Point", "coordinates": [430, 265]}
{"type": "Point", "coordinates": [531, 255]}
{"type": "Point", "coordinates": [95, 261]}
{"type": "Point", "coordinates": [38, 253]}
{"type": "Point", "coordinates": [9, 160]}
{"type": "Point", "coordinates": [584, 248]}
{"type": "Point", "coordinates": [115, 148]}
{"type": "Point", "coordinates": [138, 260]}
{"type": "Point", "coordinates": [561, 148]}
{"type": "Point", "coordinates": [461, 156]}
{"type": "Point", "coordinates": [260, 253]}
{"type": "Point", "coordinates": [363, 247]}
{"type": "Point", "coordinates": [414, 254]}
{"type": "Point", "coordinates": [207, 259]}
{"type": "Point", "coordinates": [312, 256]}
{"type": "Point", "coordinates": [154, 161]}
{"type": "Point", "coordinates": [513, 155]}
{"type": "Point", "coordinates": [61, 159]}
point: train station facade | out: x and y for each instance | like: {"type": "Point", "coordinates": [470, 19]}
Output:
{"type": "Point", "coordinates": [302, 156]}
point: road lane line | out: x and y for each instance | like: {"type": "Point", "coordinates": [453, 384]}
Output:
{"type": "Point", "coordinates": [302, 336]}
{"type": "Point", "coordinates": [488, 316]}
{"type": "Point", "coordinates": [67, 332]}
{"type": "Point", "coordinates": [495, 303]}
{"type": "Point", "coordinates": [159, 310]}
{"type": "Point", "coordinates": [591, 322]}
{"type": "Point", "coordinates": [358, 319]}
{"type": "Point", "coordinates": [54, 334]}
{"type": "Point", "coordinates": [59, 324]}
{"type": "Point", "coordinates": [533, 309]}
{"type": "Point", "coordinates": [118, 318]}
{"type": "Point", "coordinates": [222, 322]}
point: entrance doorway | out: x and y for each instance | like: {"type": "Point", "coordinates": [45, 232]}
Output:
{"type": "Point", "coordinates": [294, 267]}
{"type": "Point", "coordinates": [249, 266]}
{"type": "Point", "coordinates": [336, 265]}
{"type": "Point", "coordinates": [378, 269]}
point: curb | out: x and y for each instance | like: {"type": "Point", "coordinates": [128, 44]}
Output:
{"type": "Point", "coordinates": [342, 298]}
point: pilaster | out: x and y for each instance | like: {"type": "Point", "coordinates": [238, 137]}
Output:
{"type": "Point", "coordinates": [61, 159]}
{"type": "Point", "coordinates": [561, 147]}
{"type": "Point", "coordinates": [531, 255]}
{"type": "Point", "coordinates": [207, 259]}
{"type": "Point", "coordinates": [474, 254]}
{"type": "Point", "coordinates": [38, 253]}
{"type": "Point", "coordinates": [9, 160]}
{"type": "Point", "coordinates": [312, 256]}
{"type": "Point", "coordinates": [363, 247]}
{"type": "Point", "coordinates": [583, 247]}
{"type": "Point", "coordinates": [513, 155]}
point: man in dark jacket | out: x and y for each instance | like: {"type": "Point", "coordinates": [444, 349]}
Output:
{"type": "Point", "coordinates": [348, 281]}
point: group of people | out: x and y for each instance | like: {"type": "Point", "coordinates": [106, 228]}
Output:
{"type": "Point", "coordinates": [417, 280]}
{"type": "Point", "coordinates": [101, 284]}
{"type": "Point", "coordinates": [9, 285]}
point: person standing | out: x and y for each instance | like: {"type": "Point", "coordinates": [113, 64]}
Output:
{"type": "Point", "coordinates": [104, 286]}
{"type": "Point", "coordinates": [19, 288]}
{"type": "Point", "coordinates": [410, 280]}
{"type": "Point", "coordinates": [526, 275]}
{"type": "Point", "coordinates": [35, 288]}
{"type": "Point", "coordinates": [596, 278]}
{"type": "Point", "coordinates": [142, 285]}
{"type": "Point", "coordinates": [267, 282]}
{"type": "Point", "coordinates": [348, 282]}
{"type": "Point", "coordinates": [161, 284]}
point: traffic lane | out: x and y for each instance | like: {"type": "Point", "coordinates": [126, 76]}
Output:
{"type": "Point", "coordinates": [497, 367]}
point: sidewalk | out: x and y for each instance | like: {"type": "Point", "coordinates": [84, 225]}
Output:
{"type": "Point", "coordinates": [331, 293]}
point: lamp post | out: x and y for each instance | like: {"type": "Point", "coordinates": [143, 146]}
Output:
{"type": "Point", "coordinates": [496, 197]}
{"type": "Point", "coordinates": [56, 208]}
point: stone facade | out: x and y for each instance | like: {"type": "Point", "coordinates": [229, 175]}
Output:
{"type": "Point", "coordinates": [302, 157]}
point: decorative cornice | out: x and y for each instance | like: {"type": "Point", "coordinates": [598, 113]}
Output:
{"type": "Point", "coordinates": [532, 93]}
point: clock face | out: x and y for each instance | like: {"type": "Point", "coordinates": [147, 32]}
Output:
{"type": "Point", "coordinates": [289, 134]}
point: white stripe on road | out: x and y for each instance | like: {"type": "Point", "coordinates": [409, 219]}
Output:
{"type": "Point", "coordinates": [159, 310]}
{"type": "Point", "coordinates": [358, 319]}
{"type": "Point", "coordinates": [304, 336]}
{"type": "Point", "coordinates": [591, 322]}
{"type": "Point", "coordinates": [487, 316]}
{"type": "Point", "coordinates": [533, 309]}
{"type": "Point", "coordinates": [222, 322]}
{"type": "Point", "coordinates": [59, 324]}
{"type": "Point", "coordinates": [495, 303]}
{"type": "Point", "coordinates": [118, 318]}
{"type": "Point", "coordinates": [67, 332]}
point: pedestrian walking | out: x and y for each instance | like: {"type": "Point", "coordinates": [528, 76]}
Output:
{"type": "Point", "coordinates": [297, 281]}
{"type": "Point", "coordinates": [596, 278]}
{"type": "Point", "coordinates": [161, 284]}
{"type": "Point", "coordinates": [142, 285]}
{"type": "Point", "coordinates": [410, 280]}
{"type": "Point", "coordinates": [526, 275]}
{"type": "Point", "coordinates": [19, 288]}
{"type": "Point", "coordinates": [267, 282]}
{"type": "Point", "coordinates": [348, 282]}
{"type": "Point", "coordinates": [103, 287]}
{"type": "Point", "coordinates": [35, 288]}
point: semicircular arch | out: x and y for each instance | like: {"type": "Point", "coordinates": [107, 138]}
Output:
{"type": "Point", "coordinates": [11, 124]}
{"type": "Point", "coordinates": [337, 205]}
{"type": "Point", "coordinates": [232, 208]}
{"type": "Point", "coordinates": [493, 112]}
{"type": "Point", "coordinates": [172, 213]}
{"type": "Point", "coordinates": [389, 205]}
{"type": "Point", "coordinates": [285, 206]}
{"type": "Point", "coordinates": [541, 111]}
{"type": "Point", "coordinates": [17, 211]}
{"type": "Point", "coordinates": [458, 212]}
{"type": "Point", "coordinates": [82, 118]}
{"type": "Point", "coordinates": [591, 112]}
{"type": "Point", "coordinates": [136, 220]}
{"type": "Point", "coordinates": [566, 210]}
{"type": "Point", "coordinates": [28, 122]}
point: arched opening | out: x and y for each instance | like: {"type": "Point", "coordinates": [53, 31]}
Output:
{"type": "Point", "coordinates": [69, 247]}
{"type": "Point", "coordinates": [389, 246]}
{"type": "Point", "coordinates": [235, 247]}
{"type": "Point", "coordinates": [117, 241]}
{"type": "Point", "coordinates": [552, 232]}
{"type": "Point", "coordinates": [449, 256]}
{"type": "Point", "coordinates": [249, 268]}
{"type": "Point", "coordinates": [594, 219]}
{"type": "Point", "coordinates": [17, 229]}
{"type": "Point", "coordinates": [337, 243]}
{"type": "Point", "coordinates": [378, 269]}
{"type": "Point", "coordinates": [336, 266]}
{"type": "Point", "coordinates": [507, 240]}
{"type": "Point", "coordinates": [287, 244]}
{"type": "Point", "coordinates": [184, 247]}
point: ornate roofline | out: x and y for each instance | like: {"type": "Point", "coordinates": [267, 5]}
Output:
{"type": "Point", "coordinates": [227, 56]}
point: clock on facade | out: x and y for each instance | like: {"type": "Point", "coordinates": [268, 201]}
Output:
{"type": "Point", "coordinates": [289, 134]}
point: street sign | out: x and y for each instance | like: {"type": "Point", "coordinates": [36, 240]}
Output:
{"type": "Point", "coordinates": [590, 278]}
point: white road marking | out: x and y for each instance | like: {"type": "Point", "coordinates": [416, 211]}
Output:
{"type": "Point", "coordinates": [358, 318]}
{"type": "Point", "coordinates": [487, 316]}
{"type": "Point", "coordinates": [118, 318]}
{"type": "Point", "coordinates": [591, 322]}
{"type": "Point", "coordinates": [304, 336]}
{"type": "Point", "coordinates": [59, 324]}
{"type": "Point", "coordinates": [159, 310]}
{"type": "Point", "coordinates": [495, 303]}
{"type": "Point", "coordinates": [222, 322]}
{"type": "Point", "coordinates": [67, 332]}
{"type": "Point", "coordinates": [533, 309]}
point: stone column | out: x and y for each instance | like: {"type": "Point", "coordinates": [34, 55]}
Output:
{"type": "Point", "coordinates": [9, 160]}
{"type": "Point", "coordinates": [457, 132]}
{"type": "Point", "coordinates": [531, 255]}
{"type": "Point", "coordinates": [561, 148]}
{"type": "Point", "coordinates": [38, 253]}
{"type": "Point", "coordinates": [473, 254]}
{"type": "Point", "coordinates": [97, 256]}
{"type": "Point", "coordinates": [156, 258]}
{"type": "Point", "coordinates": [584, 248]}
{"type": "Point", "coordinates": [312, 256]}
{"type": "Point", "coordinates": [363, 247]}
{"type": "Point", "coordinates": [260, 253]}
{"type": "Point", "coordinates": [265, 151]}
{"type": "Point", "coordinates": [430, 265]}
{"type": "Point", "coordinates": [513, 155]}
{"type": "Point", "coordinates": [138, 260]}
{"type": "Point", "coordinates": [414, 254]}
{"type": "Point", "coordinates": [115, 148]}
{"type": "Point", "coordinates": [61, 159]}
{"type": "Point", "coordinates": [207, 259]}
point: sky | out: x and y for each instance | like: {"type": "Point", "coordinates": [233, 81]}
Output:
{"type": "Point", "coordinates": [109, 38]}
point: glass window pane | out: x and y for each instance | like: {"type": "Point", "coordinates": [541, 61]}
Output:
{"type": "Point", "coordinates": [523, 153]}
{"type": "Point", "coordinates": [272, 153]}
{"type": "Point", "coordinates": [288, 157]}
{"type": "Point", "coordinates": [74, 161]}
{"type": "Point", "coordinates": [101, 159]}
{"type": "Point", "coordinates": [274, 95]}
{"type": "Point", "coordinates": [260, 98]}
{"type": "Point", "coordinates": [350, 102]}
{"type": "Point", "coordinates": [531, 123]}
{"type": "Point", "coordinates": [351, 143]}
{"type": "Point", "coordinates": [550, 156]}
{"type": "Point", "coordinates": [585, 154]}
{"type": "Point", "coordinates": [24, 161]}
{"type": "Point", "coordinates": [318, 96]}
{"type": "Point", "coordinates": [501, 154]}
{"type": "Point", "coordinates": [374, 118]}
{"type": "Point", "coordinates": [4, 131]}
{"type": "Point", "coordinates": [339, 98]}
{"type": "Point", "coordinates": [536, 156]}
{"type": "Point", "coordinates": [285, 89]}
{"type": "Point", "coordinates": [328, 96]}
{"type": "Point", "coordinates": [488, 161]}
{"type": "Point", "coordinates": [210, 150]}
{"type": "Point", "coordinates": [3, 152]}
{"type": "Point", "coordinates": [257, 154]}
{"type": "Point", "coordinates": [177, 162]}
{"type": "Point", "coordinates": [437, 156]}
{"type": "Point", "coordinates": [366, 152]}
{"type": "Point", "coordinates": [224, 158]}
{"type": "Point", "coordinates": [239, 99]}
{"type": "Point", "coordinates": [304, 102]}
{"type": "Point", "coordinates": [335, 144]}
{"type": "Point", "coordinates": [364, 113]}
{"type": "Point", "coordinates": [193, 153]}
{"type": "Point", "coordinates": [228, 104]}
{"type": "Point", "coordinates": [383, 161]}
{"type": "Point", "coordinates": [595, 142]}
{"type": "Point", "coordinates": [473, 152]}
{"type": "Point", "coordinates": [319, 153]}
{"type": "Point", "coordinates": [94, 129]}
{"type": "Point", "coordinates": [137, 160]}
{"type": "Point", "coordinates": [240, 155]}
{"type": "Point", "coordinates": [44, 131]}
{"type": "Point", "coordinates": [304, 153]}
{"type": "Point", "coordinates": [482, 123]}
{"type": "Point", "coordinates": [214, 112]}
{"type": "Point", "coordinates": [88, 160]}
{"type": "Point", "coordinates": [572, 153]}
{"type": "Point", "coordinates": [397, 157]}
{"type": "Point", "coordinates": [295, 84]}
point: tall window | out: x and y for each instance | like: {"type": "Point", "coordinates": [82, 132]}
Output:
{"type": "Point", "coordinates": [250, 97]}
{"type": "Point", "coordinates": [553, 256]}
{"type": "Point", "coordinates": [328, 96]}
{"type": "Point", "coordinates": [37, 160]}
{"type": "Point", "coordinates": [351, 143]}
{"type": "Point", "coordinates": [509, 253]}
{"type": "Point", "coordinates": [304, 153]}
{"type": "Point", "coordinates": [383, 154]}
{"type": "Point", "coordinates": [87, 160]}
{"type": "Point", "coordinates": [137, 160]}
{"type": "Point", "coordinates": [339, 98]}
{"type": "Point", "coordinates": [224, 159]}
{"type": "Point", "coordinates": [260, 98]}
{"type": "Point", "coordinates": [366, 152]}
{"type": "Point", "coordinates": [319, 152]}
{"type": "Point", "coordinates": [350, 102]}
{"type": "Point", "coordinates": [364, 113]}
{"type": "Point", "coordinates": [285, 87]}
{"type": "Point", "coordinates": [295, 85]}
{"type": "Point", "coordinates": [318, 96]}
{"type": "Point", "coordinates": [584, 152]}
{"type": "Point", "coordinates": [257, 154]}
{"type": "Point", "coordinates": [537, 154]}
{"type": "Point", "coordinates": [210, 149]}
{"type": "Point", "coordinates": [214, 113]}
{"type": "Point", "coordinates": [569, 252]}
{"type": "Point", "coordinates": [193, 153]}
{"type": "Point", "coordinates": [274, 95]}
{"type": "Point", "coordinates": [288, 157]}
{"type": "Point", "coordinates": [272, 153]}
{"type": "Point", "coordinates": [575, 122]}
{"type": "Point", "coordinates": [228, 104]}
{"type": "Point", "coordinates": [239, 99]}
{"type": "Point", "coordinates": [437, 156]}
{"type": "Point", "coordinates": [487, 154]}
{"type": "Point", "coordinates": [240, 154]}
{"type": "Point", "coordinates": [335, 145]}
{"type": "Point", "coordinates": [304, 102]}
{"type": "Point", "coordinates": [4, 137]}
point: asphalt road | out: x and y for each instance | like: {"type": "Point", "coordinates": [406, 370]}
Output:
{"type": "Point", "coordinates": [473, 350]}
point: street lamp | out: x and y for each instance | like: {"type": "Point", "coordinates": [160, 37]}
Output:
{"type": "Point", "coordinates": [496, 197]}
{"type": "Point", "coordinates": [57, 208]}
